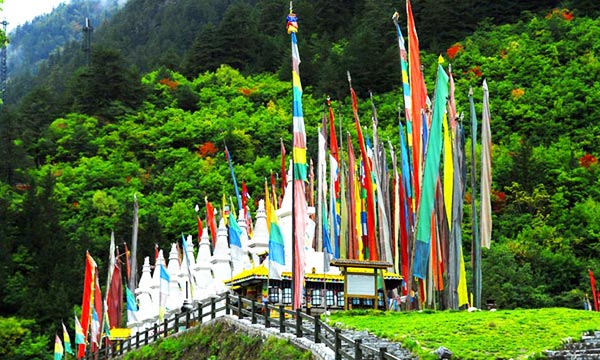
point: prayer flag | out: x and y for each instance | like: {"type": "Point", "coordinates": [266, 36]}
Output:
{"type": "Point", "coordinates": [132, 308]}
{"type": "Point", "coordinates": [486, 171]}
{"type": "Point", "coordinates": [67, 340]}
{"type": "Point", "coordinates": [58, 349]}
{"type": "Point", "coordinates": [79, 337]}
{"type": "Point", "coordinates": [430, 177]}
{"type": "Point", "coordinates": [299, 169]}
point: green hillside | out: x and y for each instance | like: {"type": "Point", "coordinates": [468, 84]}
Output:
{"type": "Point", "coordinates": [219, 341]}
{"type": "Point", "coordinates": [505, 334]}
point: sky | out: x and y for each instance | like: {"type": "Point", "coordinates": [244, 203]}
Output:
{"type": "Point", "coordinates": [17, 12]}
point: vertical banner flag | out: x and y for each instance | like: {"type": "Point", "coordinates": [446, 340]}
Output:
{"type": "Point", "coordinates": [276, 247]}
{"type": "Point", "coordinates": [131, 306]}
{"type": "Point", "coordinates": [594, 292]}
{"type": "Point", "coordinates": [430, 177]}
{"type": "Point", "coordinates": [486, 171]}
{"type": "Point", "coordinates": [79, 337]}
{"type": "Point", "coordinates": [87, 302]}
{"type": "Point", "coordinates": [211, 222]}
{"type": "Point", "coordinates": [299, 168]}
{"type": "Point", "coordinates": [58, 348]}
{"type": "Point", "coordinates": [67, 340]}
{"type": "Point", "coordinates": [418, 96]}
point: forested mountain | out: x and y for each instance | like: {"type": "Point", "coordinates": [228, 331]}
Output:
{"type": "Point", "coordinates": [193, 36]}
{"type": "Point", "coordinates": [81, 138]}
{"type": "Point", "coordinates": [32, 42]}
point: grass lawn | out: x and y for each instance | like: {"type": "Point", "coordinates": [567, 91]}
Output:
{"type": "Point", "coordinates": [502, 334]}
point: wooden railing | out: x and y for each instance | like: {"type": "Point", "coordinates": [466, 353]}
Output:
{"type": "Point", "coordinates": [271, 316]}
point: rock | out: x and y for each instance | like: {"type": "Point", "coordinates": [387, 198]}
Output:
{"type": "Point", "coordinates": [443, 353]}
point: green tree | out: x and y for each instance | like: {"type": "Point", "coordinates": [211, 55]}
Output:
{"type": "Point", "coordinates": [107, 87]}
{"type": "Point", "coordinates": [19, 341]}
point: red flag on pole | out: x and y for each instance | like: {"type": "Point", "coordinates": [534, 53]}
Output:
{"type": "Point", "coordinates": [115, 296]}
{"type": "Point", "coordinates": [86, 304]}
{"type": "Point", "coordinates": [199, 229]}
{"type": "Point", "coordinates": [594, 293]}
{"type": "Point", "coordinates": [368, 181]}
{"type": "Point", "coordinates": [211, 222]}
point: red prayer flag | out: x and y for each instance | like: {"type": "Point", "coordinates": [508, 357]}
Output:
{"type": "Point", "coordinates": [199, 229]}
{"type": "Point", "coordinates": [418, 93]}
{"type": "Point", "coordinates": [86, 304]}
{"type": "Point", "coordinates": [115, 296]}
{"type": "Point", "coordinates": [594, 293]}
{"type": "Point", "coordinates": [368, 183]}
{"type": "Point", "coordinates": [212, 223]}
{"type": "Point", "coordinates": [333, 145]}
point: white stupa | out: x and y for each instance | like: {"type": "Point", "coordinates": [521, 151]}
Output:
{"type": "Point", "coordinates": [155, 285]}
{"type": "Point", "coordinates": [221, 259]}
{"type": "Point", "coordinates": [176, 296]}
{"type": "Point", "coordinates": [204, 278]}
{"type": "Point", "coordinates": [259, 244]}
{"type": "Point", "coordinates": [146, 308]}
{"type": "Point", "coordinates": [188, 261]}
{"type": "Point", "coordinates": [244, 239]}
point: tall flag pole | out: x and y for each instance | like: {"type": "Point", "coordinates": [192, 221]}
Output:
{"type": "Point", "coordinates": [395, 224]}
{"type": "Point", "coordinates": [405, 211]}
{"type": "Point", "coordinates": [321, 209]}
{"type": "Point", "coordinates": [457, 264]}
{"type": "Point", "coordinates": [404, 68]}
{"type": "Point", "coordinates": [134, 238]}
{"type": "Point", "coordinates": [430, 177]}
{"type": "Point", "coordinates": [371, 243]}
{"type": "Point", "coordinates": [335, 210]}
{"type": "Point", "coordinates": [475, 228]}
{"type": "Point", "coordinates": [354, 239]}
{"type": "Point", "coordinates": [486, 171]}
{"type": "Point", "coordinates": [299, 169]}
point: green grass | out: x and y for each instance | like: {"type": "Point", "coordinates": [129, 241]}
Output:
{"type": "Point", "coordinates": [505, 334]}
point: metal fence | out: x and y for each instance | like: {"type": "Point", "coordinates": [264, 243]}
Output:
{"type": "Point", "coordinates": [290, 321]}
